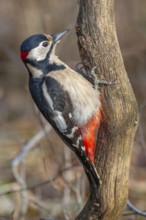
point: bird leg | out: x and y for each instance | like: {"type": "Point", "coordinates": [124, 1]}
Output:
{"type": "Point", "coordinates": [92, 77]}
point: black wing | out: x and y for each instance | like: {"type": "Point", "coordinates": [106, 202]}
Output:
{"type": "Point", "coordinates": [62, 108]}
{"type": "Point", "coordinates": [59, 102]}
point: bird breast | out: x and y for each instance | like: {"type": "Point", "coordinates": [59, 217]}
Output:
{"type": "Point", "coordinates": [85, 99]}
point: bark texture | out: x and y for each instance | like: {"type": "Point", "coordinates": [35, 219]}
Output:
{"type": "Point", "coordinates": [98, 46]}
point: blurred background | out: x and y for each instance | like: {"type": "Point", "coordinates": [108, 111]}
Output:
{"type": "Point", "coordinates": [55, 180]}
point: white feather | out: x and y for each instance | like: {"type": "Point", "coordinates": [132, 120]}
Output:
{"type": "Point", "coordinates": [47, 96]}
{"type": "Point", "coordinates": [39, 53]}
{"type": "Point", "coordinates": [36, 73]}
{"type": "Point", "coordinates": [85, 99]}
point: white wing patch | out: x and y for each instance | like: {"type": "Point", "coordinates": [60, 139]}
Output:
{"type": "Point", "coordinates": [60, 122]}
{"type": "Point", "coordinates": [70, 115]}
{"type": "Point", "coordinates": [73, 130]}
{"type": "Point", "coordinates": [83, 148]}
{"type": "Point", "coordinates": [58, 118]}
{"type": "Point", "coordinates": [78, 142]}
{"type": "Point", "coordinates": [47, 96]}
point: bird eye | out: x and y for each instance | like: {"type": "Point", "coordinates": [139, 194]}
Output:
{"type": "Point", "coordinates": [45, 44]}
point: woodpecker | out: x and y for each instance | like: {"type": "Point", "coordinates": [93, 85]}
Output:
{"type": "Point", "coordinates": [66, 98]}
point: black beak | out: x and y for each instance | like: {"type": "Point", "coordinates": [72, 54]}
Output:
{"type": "Point", "coordinates": [58, 36]}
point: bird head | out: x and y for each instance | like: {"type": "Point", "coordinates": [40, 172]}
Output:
{"type": "Point", "coordinates": [40, 46]}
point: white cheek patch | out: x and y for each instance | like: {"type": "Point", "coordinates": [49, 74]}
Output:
{"type": "Point", "coordinates": [39, 53]}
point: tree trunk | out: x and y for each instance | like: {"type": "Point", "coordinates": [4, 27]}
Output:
{"type": "Point", "coordinates": [98, 46]}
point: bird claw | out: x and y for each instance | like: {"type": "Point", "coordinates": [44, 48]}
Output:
{"type": "Point", "coordinates": [102, 82]}
{"type": "Point", "coordinates": [92, 77]}
{"type": "Point", "coordinates": [105, 82]}
{"type": "Point", "coordinates": [89, 75]}
{"type": "Point", "coordinates": [80, 69]}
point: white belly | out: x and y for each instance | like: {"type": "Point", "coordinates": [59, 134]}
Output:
{"type": "Point", "coordinates": [85, 99]}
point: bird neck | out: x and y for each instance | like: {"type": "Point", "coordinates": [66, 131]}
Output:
{"type": "Point", "coordinates": [40, 68]}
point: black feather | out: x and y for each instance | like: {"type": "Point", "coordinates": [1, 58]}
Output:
{"type": "Point", "coordinates": [32, 42]}
{"type": "Point", "coordinates": [62, 104]}
{"type": "Point", "coordinates": [56, 93]}
{"type": "Point", "coordinates": [45, 66]}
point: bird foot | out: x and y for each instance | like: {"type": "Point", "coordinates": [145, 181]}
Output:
{"type": "Point", "coordinates": [92, 77]}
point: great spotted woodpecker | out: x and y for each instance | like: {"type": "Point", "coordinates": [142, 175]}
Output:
{"type": "Point", "coordinates": [68, 101]}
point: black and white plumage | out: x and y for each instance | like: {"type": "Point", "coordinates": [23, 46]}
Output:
{"type": "Point", "coordinates": [65, 98]}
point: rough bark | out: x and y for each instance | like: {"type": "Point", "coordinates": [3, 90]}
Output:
{"type": "Point", "coordinates": [98, 46]}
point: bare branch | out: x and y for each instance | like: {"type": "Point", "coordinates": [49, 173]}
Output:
{"type": "Point", "coordinates": [34, 186]}
{"type": "Point", "coordinates": [135, 210]}
{"type": "Point", "coordinates": [17, 161]}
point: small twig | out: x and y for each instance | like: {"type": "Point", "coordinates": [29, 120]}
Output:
{"type": "Point", "coordinates": [38, 203]}
{"type": "Point", "coordinates": [42, 183]}
{"type": "Point", "coordinates": [66, 178]}
{"type": "Point", "coordinates": [32, 143]}
{"type": "Point", "coordinates": [134, 209]}
{"type": "Point", "coordinates": [18, 160]}
{"type": "Point", "coordinates": [24, 201]}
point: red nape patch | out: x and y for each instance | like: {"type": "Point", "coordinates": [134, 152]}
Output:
{"type": "Point", "coordinates": [23, 55]}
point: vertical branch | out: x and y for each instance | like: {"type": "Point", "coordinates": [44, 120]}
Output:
{"type": "Point", "coordinates": [98, 46]}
